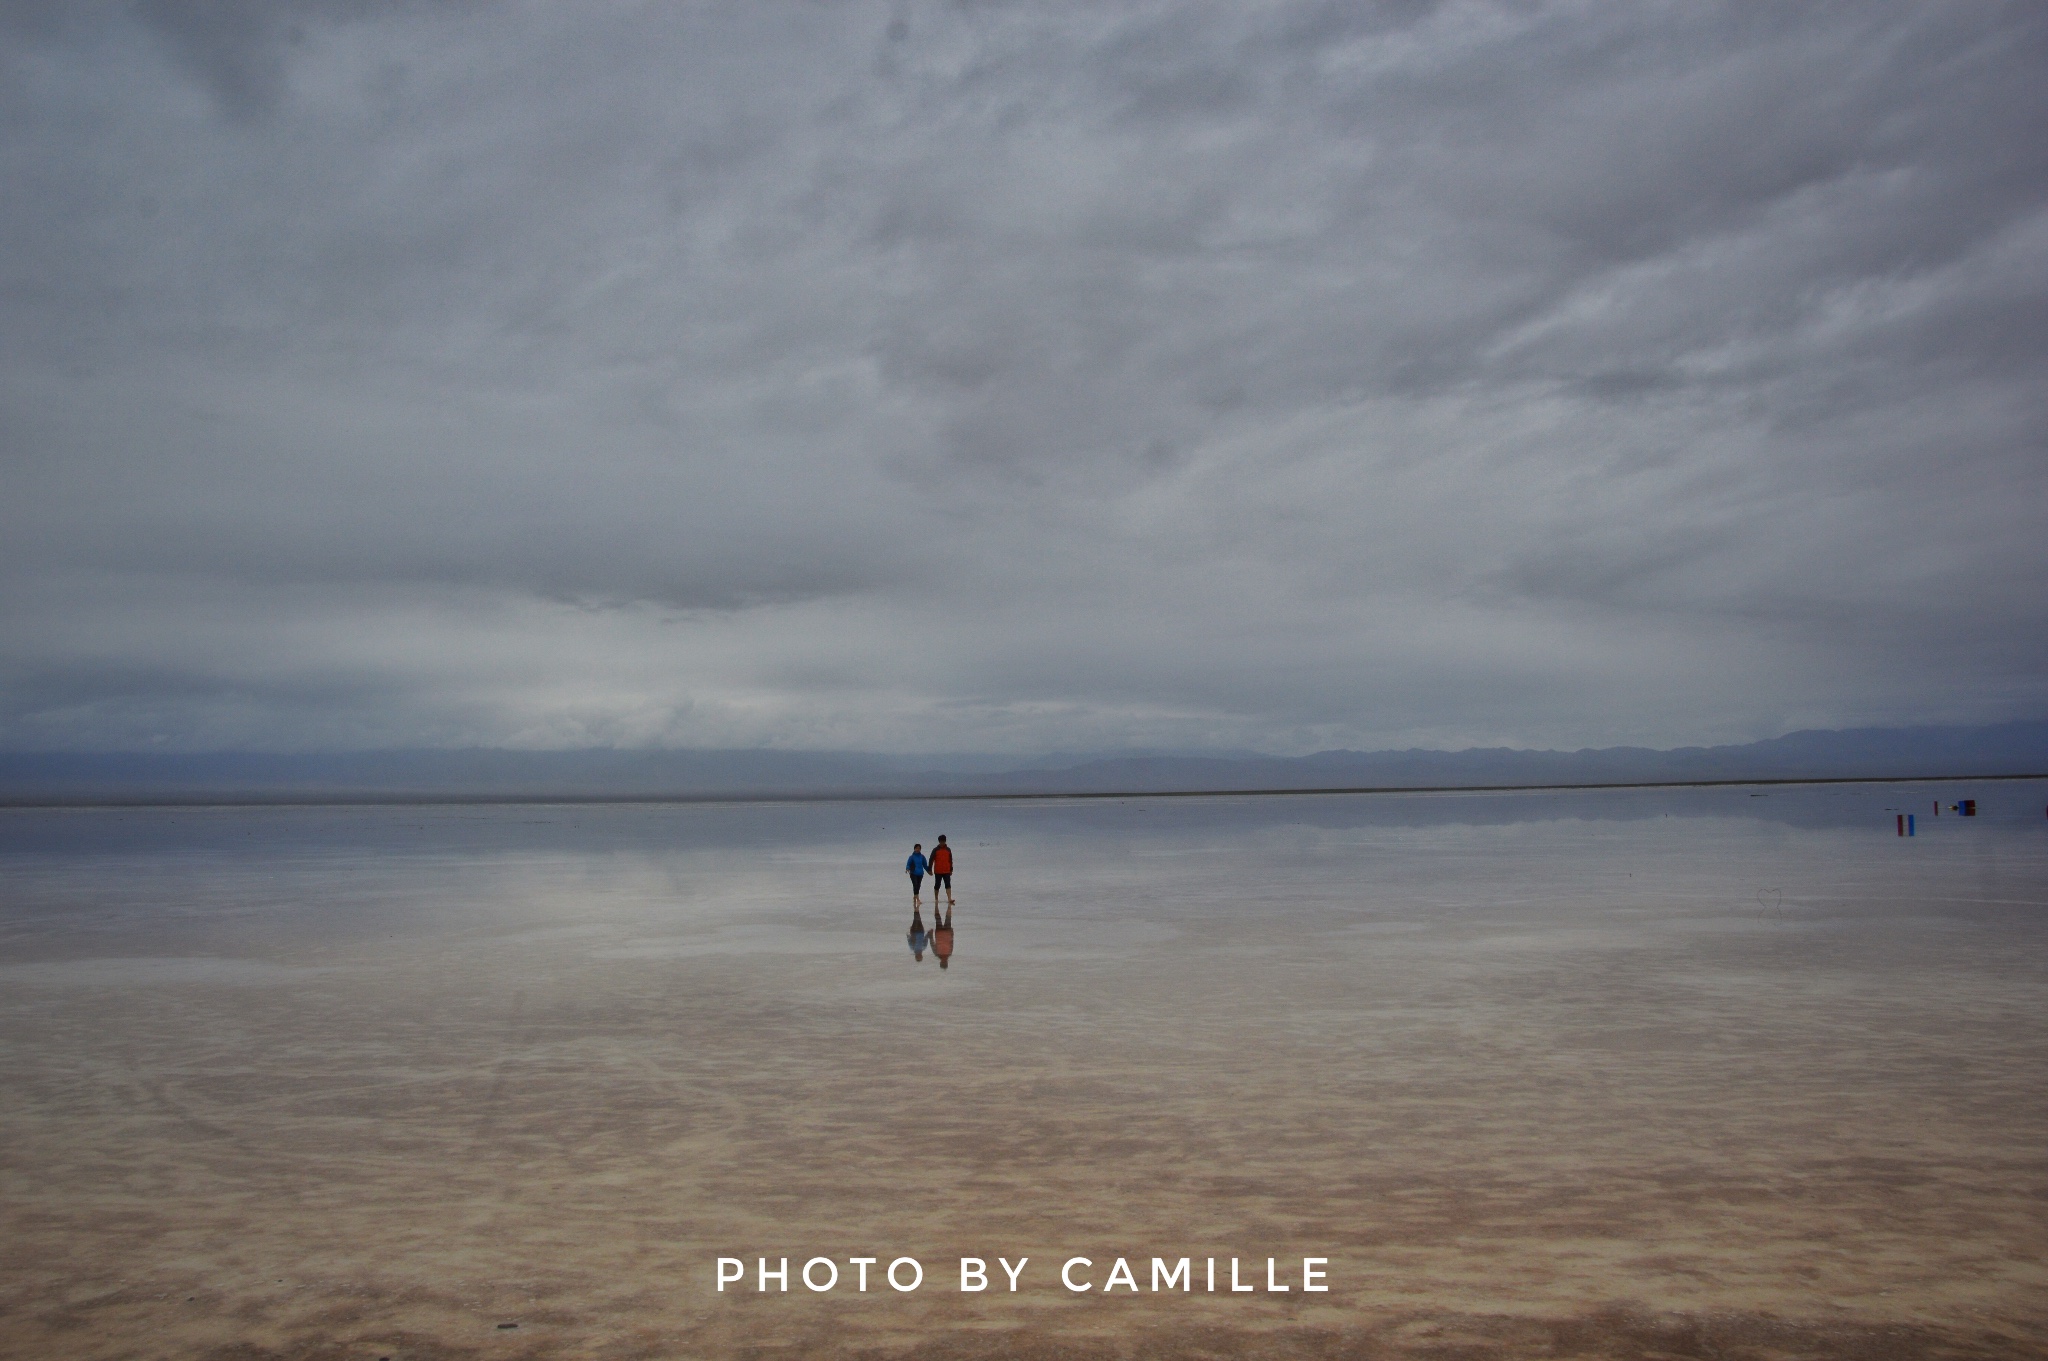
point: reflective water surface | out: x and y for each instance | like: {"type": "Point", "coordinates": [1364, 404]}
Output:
{"type": "Point", "coordinates": [1718, 1072]}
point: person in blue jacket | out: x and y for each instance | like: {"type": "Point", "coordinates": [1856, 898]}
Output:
{"type": "Point", "coordinates": [916, 866]}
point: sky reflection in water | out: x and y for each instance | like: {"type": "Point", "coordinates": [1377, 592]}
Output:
{"type": "Point", "coordinates": [1521, 1056]}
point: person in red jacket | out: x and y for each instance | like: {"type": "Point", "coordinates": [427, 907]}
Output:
{"type": "Point", "coordinates": [942, 871]}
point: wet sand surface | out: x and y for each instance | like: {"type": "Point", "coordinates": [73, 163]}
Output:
{"type": "Point", "coordinates": [1649, 1074]}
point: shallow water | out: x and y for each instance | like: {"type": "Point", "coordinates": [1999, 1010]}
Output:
{"type": "Point", "coordinates": [1716, 1072]}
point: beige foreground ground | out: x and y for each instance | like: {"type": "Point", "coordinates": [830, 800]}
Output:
{"type": "Point", "coordinates": [1720, 1133]}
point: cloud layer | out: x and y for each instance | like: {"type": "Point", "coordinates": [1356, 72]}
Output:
{"type": "Point", "coordinates": [1019, 377]}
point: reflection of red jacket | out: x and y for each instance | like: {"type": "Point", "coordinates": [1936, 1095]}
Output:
{"type": "Point", "coordinates": [942, 942]}
{"type": "Point", "coordinates": [942, 860]}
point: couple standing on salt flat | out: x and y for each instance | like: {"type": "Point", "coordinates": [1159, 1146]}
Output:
{"type": "Point", "coordinates": [941, 867]}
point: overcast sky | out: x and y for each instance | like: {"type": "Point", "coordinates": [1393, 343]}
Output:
{"type": "Point", "coordinates": [1019, 377]}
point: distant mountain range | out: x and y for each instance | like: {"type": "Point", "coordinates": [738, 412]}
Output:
{"type": "Point", "coordinates": [1860, 753]}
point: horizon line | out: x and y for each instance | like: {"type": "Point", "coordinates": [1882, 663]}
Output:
{"type": "Point", "coordinates": [367, 800]}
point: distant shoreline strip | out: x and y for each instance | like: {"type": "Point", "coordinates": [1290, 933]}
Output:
{"type": "Point", "coordinates": [362, 800]}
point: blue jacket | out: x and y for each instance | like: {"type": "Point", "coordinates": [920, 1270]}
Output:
{"type": "Point", "coordinates": [915, 864]}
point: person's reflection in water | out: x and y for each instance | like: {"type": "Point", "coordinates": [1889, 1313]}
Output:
{"type": "Point", "coordinates": [917, 935]}
{"type": "Point", "coordinates": [942, 933]}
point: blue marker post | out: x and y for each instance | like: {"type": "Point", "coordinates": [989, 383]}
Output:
{"type": "Point", "coordinates": [1909, 824]}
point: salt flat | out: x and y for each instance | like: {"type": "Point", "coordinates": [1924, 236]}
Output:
{"type": "Point", "coordinates": [1619, 1074]}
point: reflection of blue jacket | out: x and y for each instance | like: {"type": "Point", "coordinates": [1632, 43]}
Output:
{"type": "Point", "coordinates": [915, 864]}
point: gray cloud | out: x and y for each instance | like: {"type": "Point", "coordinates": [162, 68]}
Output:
{"type": "Point", "coordinates": [1018, 377]}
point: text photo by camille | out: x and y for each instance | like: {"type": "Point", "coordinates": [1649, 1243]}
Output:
{"type": "Point", "coordinates": [905, 1274]}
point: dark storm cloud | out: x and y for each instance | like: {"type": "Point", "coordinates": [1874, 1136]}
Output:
{"type": "Point", "coordinates": [1018, 376]}
{"type": "Point", "coordinates": [237, 47]}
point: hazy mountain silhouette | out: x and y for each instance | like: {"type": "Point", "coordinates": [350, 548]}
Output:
{"type": "Point", "coordinates": [2005, 749]}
